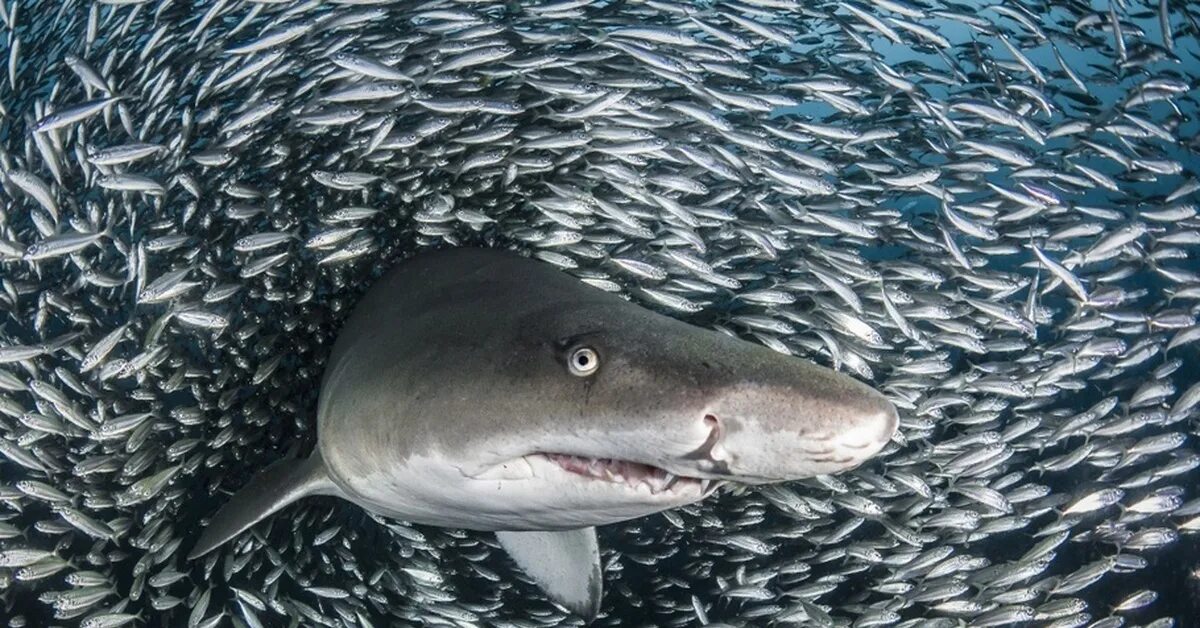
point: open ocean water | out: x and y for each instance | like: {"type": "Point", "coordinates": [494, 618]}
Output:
{"type": "Point", "coordinates": [987, 210]}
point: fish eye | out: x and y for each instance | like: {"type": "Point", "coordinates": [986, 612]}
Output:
{"type": "Point", "coordinates": [583, 361]}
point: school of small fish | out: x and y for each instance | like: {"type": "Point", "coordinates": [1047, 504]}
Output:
{"type": "Point", "coordinates": [999, 230]}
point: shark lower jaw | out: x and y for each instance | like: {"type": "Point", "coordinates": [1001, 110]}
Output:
{"type": "Point", "coordinates": [633, 475]}
{"type": "Point", "coordinates": [585, 472]}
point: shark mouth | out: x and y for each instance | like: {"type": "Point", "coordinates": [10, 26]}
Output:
{"type": "Point", "coordinates": [631, 474]}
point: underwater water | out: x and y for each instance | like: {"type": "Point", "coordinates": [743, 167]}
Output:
{"type": "Point", "coordinates": [987, 210]}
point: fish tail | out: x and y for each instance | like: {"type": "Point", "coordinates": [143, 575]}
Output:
{"type": "Point", "coordinates": [277, 486]}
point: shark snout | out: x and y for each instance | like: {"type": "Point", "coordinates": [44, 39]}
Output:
{"type": "Point", "coordinates": [871, 423]}
{"type": "Point", "coordinates": [759, 435]}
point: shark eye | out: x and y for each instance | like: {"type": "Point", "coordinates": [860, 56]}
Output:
{"type": "Point", "coordinates": [583, 362]}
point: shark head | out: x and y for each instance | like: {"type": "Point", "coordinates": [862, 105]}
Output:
{"type": "Point", "coordinates": [641, 412]}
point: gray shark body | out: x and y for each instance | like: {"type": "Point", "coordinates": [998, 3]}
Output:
{"type": "Point", "coordinates": [478, 389]}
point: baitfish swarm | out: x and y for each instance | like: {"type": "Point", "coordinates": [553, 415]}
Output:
{"type": "Point", "coordinates": [987, 211]}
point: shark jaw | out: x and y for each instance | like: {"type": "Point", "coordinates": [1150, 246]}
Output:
{"type": "Point", "coordinates": [634, 475]}
{"type": "Point", "coordinates": [639, 479]}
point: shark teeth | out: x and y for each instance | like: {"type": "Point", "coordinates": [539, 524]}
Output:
{"type": "Point", "coordinates": [635, 475]}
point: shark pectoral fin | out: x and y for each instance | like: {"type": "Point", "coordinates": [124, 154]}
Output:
{"type": "Point", "coordinates": [275, 487]}
{"type": "Point", "coordinates": [565, 564]}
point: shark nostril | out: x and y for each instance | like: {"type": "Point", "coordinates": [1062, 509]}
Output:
{"type": "Point", "coordinates": [705, 450]}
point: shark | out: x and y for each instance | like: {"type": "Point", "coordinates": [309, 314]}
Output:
{"type": "Point", "coordinates": [480, 389]}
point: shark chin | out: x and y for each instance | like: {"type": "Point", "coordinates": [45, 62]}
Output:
{"type": "Point", "coordinates": [635, 481]}
{"type": "Point", "coordinates": [478, 389]}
